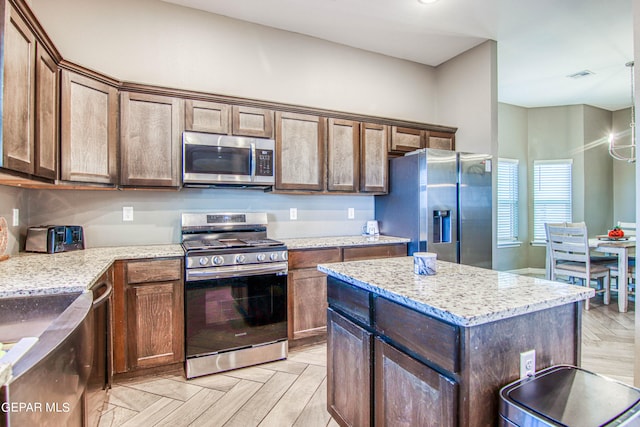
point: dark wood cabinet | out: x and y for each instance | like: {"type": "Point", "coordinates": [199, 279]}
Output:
{"type": "Point", "coordinates": [205, 116]}
{"type": "Point", "coordinates": [89, 137]}
{"type": "Point", "coordinates": [374, 167]}
{"type": "Point", "coordinates": [441, 140]}
{"type": "Point", "coordinates": [404, 140]}
{"type": "Point", "coordinates": [148, 314]}
{"type": "Point", "coordinates": [307, 287]}
{"type": "Point", "coordinates": [300, 148]}
{"type": "Point", "coordinates": [47, 115]}
{"type": "Point", "coordinates": [348, 372]}
{"type": "Point", "coordinates": [343, 155]}
{"type": "Point", "coordinates": [19, 52]}
{"type": "Point", "coordinates": [408, 392]}
{"type": "Point", "coordinates": [150, 140]}
{"type": "Point", "coordinates": [249, 121]}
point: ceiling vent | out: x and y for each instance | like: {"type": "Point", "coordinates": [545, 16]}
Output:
{"type": "Point", "coordinates": [581, 74]}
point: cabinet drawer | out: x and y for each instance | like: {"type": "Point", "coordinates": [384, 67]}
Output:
{"type": "Point", "coordinates": [154, 271]}
{"type": "Point", "coordinates": [349, 299]}
{"type": "Point", "coordinates": [376, 251]}
{"type": "Point", "coordinates": [428, 338]}
{"type": "Point", "coordinates": [311, 258]}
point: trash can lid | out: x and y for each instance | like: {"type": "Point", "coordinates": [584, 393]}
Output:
{"type": "Point", "coordinates": [571, 396]}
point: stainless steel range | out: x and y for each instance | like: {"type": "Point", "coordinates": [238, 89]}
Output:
{"type": "Point", "coordinates": [236, 292]}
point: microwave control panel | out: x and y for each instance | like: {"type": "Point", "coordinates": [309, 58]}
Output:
{"type": "Point", "coordinates": [264, 164]}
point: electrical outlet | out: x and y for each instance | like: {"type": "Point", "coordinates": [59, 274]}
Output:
{"type": "Point", "coordinates": [127, 213]}
{"type": "Point", "coordinates": [16, 217]}
{"type": "Point", "coordinates": [351, 213]}
{"type": "Point", "coordinates": [293, 213]}
{"type": "Point", "coordinates": [527, 363]}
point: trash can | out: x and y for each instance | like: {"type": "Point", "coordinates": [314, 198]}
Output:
{"type": "Point", "coordinates": [565, 395]}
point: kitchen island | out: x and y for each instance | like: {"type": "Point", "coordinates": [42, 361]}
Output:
{"type": "Point", "coordinates": [435, 350]}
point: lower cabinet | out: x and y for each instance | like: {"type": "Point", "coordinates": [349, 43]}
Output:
{"type": "Point", "coordinates": [408, 392]}
{"type": "Point", "coordinates": [307, 287]}
{"type": "Point", "coordinates": [148, 314]}
{"type": "Point", "coordinates": [348, 371]}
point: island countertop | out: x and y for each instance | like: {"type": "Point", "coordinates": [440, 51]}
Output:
{"type": "Point", "coordinates": [459, 294]}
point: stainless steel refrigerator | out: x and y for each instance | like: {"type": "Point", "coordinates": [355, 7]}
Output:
{"type": "Point", "coordinates": [441, 200]}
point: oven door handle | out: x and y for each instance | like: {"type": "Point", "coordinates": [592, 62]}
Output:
{"type": "Point", "coordinates": [235, 271]}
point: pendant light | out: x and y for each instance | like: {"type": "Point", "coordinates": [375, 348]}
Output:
{"type": "Point", "coordinates": [626, 152]}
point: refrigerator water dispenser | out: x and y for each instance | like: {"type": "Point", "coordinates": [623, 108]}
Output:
{"type": "Point", "coordinates": [442, 226]}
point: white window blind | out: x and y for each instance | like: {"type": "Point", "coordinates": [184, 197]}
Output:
{"type": "Point", "coordinates": [507, 201]}
{"type": "Point", "coordinates": [551, 194]}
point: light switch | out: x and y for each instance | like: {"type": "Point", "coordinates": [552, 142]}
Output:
{"type": "Point", "coordinates": [351, 213]}
{"type": "Point", "coordinates": [127, 213]}
{"type": "Point", "coordinates": [16, 217]}
{"type": "Point", "coordinates": [293, 213]}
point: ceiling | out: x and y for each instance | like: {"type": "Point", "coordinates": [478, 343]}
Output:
{"type": "Point", "coordinates": [540, 42]}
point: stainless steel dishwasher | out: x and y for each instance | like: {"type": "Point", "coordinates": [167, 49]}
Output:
{"type": "Point", "coordinates": [101, 369]}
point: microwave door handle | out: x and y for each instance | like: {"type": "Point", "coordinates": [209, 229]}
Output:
{"type": "Point", "coordinates": [253, 161]}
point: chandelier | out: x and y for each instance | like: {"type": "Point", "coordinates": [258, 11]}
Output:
{"type": "Point", "coordinates": [626, 152]}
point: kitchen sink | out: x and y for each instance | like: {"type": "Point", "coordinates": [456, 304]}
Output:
{"type": "Point", "coordinates": [30, 316]}
{"type": "Point", "coordinates": [49, 356]}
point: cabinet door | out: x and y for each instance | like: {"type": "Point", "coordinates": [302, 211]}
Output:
{"type": "Point", "coordinates": [47, 114]}
{"type": "Point", "coordinates": [155, 324]}
{"type": "Point", "coordinates": [248, 121]}
{"type": "Point", "coordinates": [300, 145]}
{"type": "Point", "coordinates": [308, 303]}
{"type": "Point", "coordinates": [348, 372]}
{"type": "Point", "coordinates": [441, 140]}
{"type": "Point", "coordinates": [374, 167]}
{"type": "Point", "coordinates": [343, 155]}
{"type": "Point", "coordinates": [404, 140]}
{"type": "Point", "coordinates": [203, 116]}
{"type": "Point", "coordinates": [408, 392]}
{"type": "Point", "coordinates": [151, 131]}
{"type": "Point", "coordinates": [18, 94]}
{"type": "Point", "coordinates": [89, 130]}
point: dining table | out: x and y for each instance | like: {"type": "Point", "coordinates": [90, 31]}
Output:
{"type": "Point", "coordinates": [621, 248]}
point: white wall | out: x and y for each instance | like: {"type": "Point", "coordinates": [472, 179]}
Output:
{"type": "Point", "coordinates": [150, 41]}
{"type": "Point", "coordinates": [467, 98]}
{"type": "Point", "coordinates": [157, 214]}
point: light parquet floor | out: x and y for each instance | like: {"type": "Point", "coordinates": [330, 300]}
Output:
{"type": "Point", "coordinates": [293, 392]}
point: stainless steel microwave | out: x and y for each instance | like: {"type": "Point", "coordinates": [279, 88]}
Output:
{"type": "Point", "coordinates": [223, 160]}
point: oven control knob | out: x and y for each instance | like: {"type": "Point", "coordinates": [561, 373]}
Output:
{"type": "Point", "coordinates": [204, 260]}
{"type": "Point", "coordinates": [218, 260]}
{"type": "Point", "coordinates": [261, 257]}
{"type": "Point", "coordinates": [240, 259]}
{"type": "Point", "coordinates": [273, 256]}
{"type": "Point", "coordinates": [285, 255]}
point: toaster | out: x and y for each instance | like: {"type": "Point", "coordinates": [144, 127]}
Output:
{"type": "Point", "coordinates": [54, 238]}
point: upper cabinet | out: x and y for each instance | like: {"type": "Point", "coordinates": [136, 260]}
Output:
{"type": "Point", "coordinates": [343, 155]}
{"type": "Point", "coordinates": [300, 144]}
{"type": "Point", "coordinates": [89, 130]}
{"type": "Point", "coordinates": [404, 140]}
{"type": "Point", "coordinates": [249, 121]}
{"type": "Point", "coordinates": [441, 140]}
{"type": "Point", "coordinates": [150, 140]}
{"type": "Point", "coordinates": [30, 102]}
{"type": "Point", "coordinates": [47, 115]}
{"type": "Point", "coordinates": [374, 166]}
{"type": "Point", "coordinates": [205, 116]}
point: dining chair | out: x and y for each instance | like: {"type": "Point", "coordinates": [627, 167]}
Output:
{"type": "Point", "coordinates": [568, 252]}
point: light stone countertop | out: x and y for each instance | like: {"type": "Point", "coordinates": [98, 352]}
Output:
{"type": "Point", "coordinates": [75, 271]}
{"type": "Point", "coordinates": [459, 294]}
{"type": "Point", "coordinates": [329, 242]}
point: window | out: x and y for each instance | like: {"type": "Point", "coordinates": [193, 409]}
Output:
{"type": "Point", "coordinates": [551, 194]}
{"type": "Point", "coordinates": [507, 202]}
